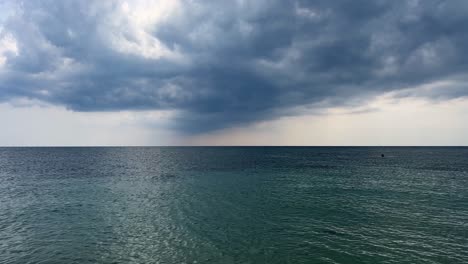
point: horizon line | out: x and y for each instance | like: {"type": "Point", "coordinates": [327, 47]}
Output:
{"type": "Point", "coordinates": [235, 146]}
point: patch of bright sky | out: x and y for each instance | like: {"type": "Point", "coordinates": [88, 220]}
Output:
{"type": "Point", "coordinates": [383, 122]}
{"type": "Point", "coordinates": [389, 121]}
{"type": "Point", "coordinates": [27, 123]}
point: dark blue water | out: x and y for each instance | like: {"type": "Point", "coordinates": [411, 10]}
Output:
{"type": "Point", "coordinates": [233, 205]}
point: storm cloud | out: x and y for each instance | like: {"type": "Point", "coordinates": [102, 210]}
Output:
{"type": "Point", "coordinates": [227, 63]}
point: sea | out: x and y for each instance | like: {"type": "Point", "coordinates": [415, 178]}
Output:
{"type": "Point", "coordinates": [234, 205]}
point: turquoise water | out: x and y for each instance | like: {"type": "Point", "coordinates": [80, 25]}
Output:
{"type": "Point", "coordinates": [233, 205]}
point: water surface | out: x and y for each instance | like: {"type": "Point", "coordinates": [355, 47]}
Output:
{"type": "Point", "coordinates": [233, 205]}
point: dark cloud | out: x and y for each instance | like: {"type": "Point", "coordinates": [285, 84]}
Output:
{"type": "Point", "coordinates": [233, 62]}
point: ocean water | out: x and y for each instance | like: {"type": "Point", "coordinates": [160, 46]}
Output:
{"type": "Point", "coordinates": [233, 205]}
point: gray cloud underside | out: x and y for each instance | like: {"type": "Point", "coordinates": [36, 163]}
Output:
{"type": "Point", "coordinates": [242, 61]}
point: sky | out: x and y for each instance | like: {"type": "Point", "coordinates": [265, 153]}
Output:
{"type": "Point", "coordinates": [239, 72]}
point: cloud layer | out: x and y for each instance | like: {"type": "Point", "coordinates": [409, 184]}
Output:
{"type": "Point", "coordinates": [224, 63]}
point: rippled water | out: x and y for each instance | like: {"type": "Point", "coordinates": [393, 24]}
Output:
{"type": "Point", "coordinates": [233, 205]}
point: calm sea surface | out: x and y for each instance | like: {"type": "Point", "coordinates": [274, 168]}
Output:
{"type": "Point", "coordinates": [233, 205]}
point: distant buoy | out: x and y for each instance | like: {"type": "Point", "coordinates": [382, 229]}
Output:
{"type": "Point", "coordinates": [383, 155]}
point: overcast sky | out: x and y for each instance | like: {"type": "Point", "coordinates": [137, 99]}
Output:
{"type": "Point", "coordinates": [188, 72]}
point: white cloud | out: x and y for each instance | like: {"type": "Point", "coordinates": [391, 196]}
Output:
{"type": "Point", "coordinates": [132, 23]}
{"type": "Point", "coordinates": [8, 47]}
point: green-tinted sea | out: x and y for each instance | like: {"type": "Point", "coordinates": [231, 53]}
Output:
{"type": "Point", "coordinates": [233, 205]}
